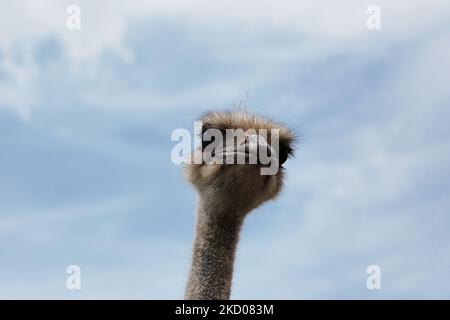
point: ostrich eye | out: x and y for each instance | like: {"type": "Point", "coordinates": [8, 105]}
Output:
{"type": "Point", "coordinates": [283, 156]}
{"type": "Point", "coordinates": [206, 142]}
{"type": "Point", "coordinates": [284, 153]}
{"type": "Point", "coordinates": [212, 136]}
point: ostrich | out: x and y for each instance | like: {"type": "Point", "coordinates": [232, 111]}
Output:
{"type": "Point", "coordinates": [226, 194]}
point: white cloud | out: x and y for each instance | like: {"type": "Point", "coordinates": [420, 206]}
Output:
{"type": "Point", "coordinates": [105, 25]}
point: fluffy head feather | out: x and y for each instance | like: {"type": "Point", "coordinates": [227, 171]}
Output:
{"type": "Point", "coordinates": [239, 185]}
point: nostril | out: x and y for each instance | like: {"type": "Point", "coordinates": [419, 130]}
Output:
{"type": "Point", "coordinates": [245, 142]}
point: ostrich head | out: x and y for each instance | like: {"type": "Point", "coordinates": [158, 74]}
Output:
{"type": "Point", "coordinates": [240, 187]}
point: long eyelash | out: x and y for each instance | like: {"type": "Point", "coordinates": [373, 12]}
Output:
{"type": "Point", "coordinates": [290, 152]}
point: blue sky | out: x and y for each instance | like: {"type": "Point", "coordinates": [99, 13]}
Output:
{"type": "Point", "coordinates": [85, 123]}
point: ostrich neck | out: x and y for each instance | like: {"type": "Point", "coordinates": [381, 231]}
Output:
{"type": "Point", "coordinates": [217, 235]}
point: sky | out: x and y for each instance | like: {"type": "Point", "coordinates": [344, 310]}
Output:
{"type": "Point", "coordinates": [86, 116]}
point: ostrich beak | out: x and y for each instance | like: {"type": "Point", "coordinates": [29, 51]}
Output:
{"type": "Point", "coordinates": [254, 149]}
